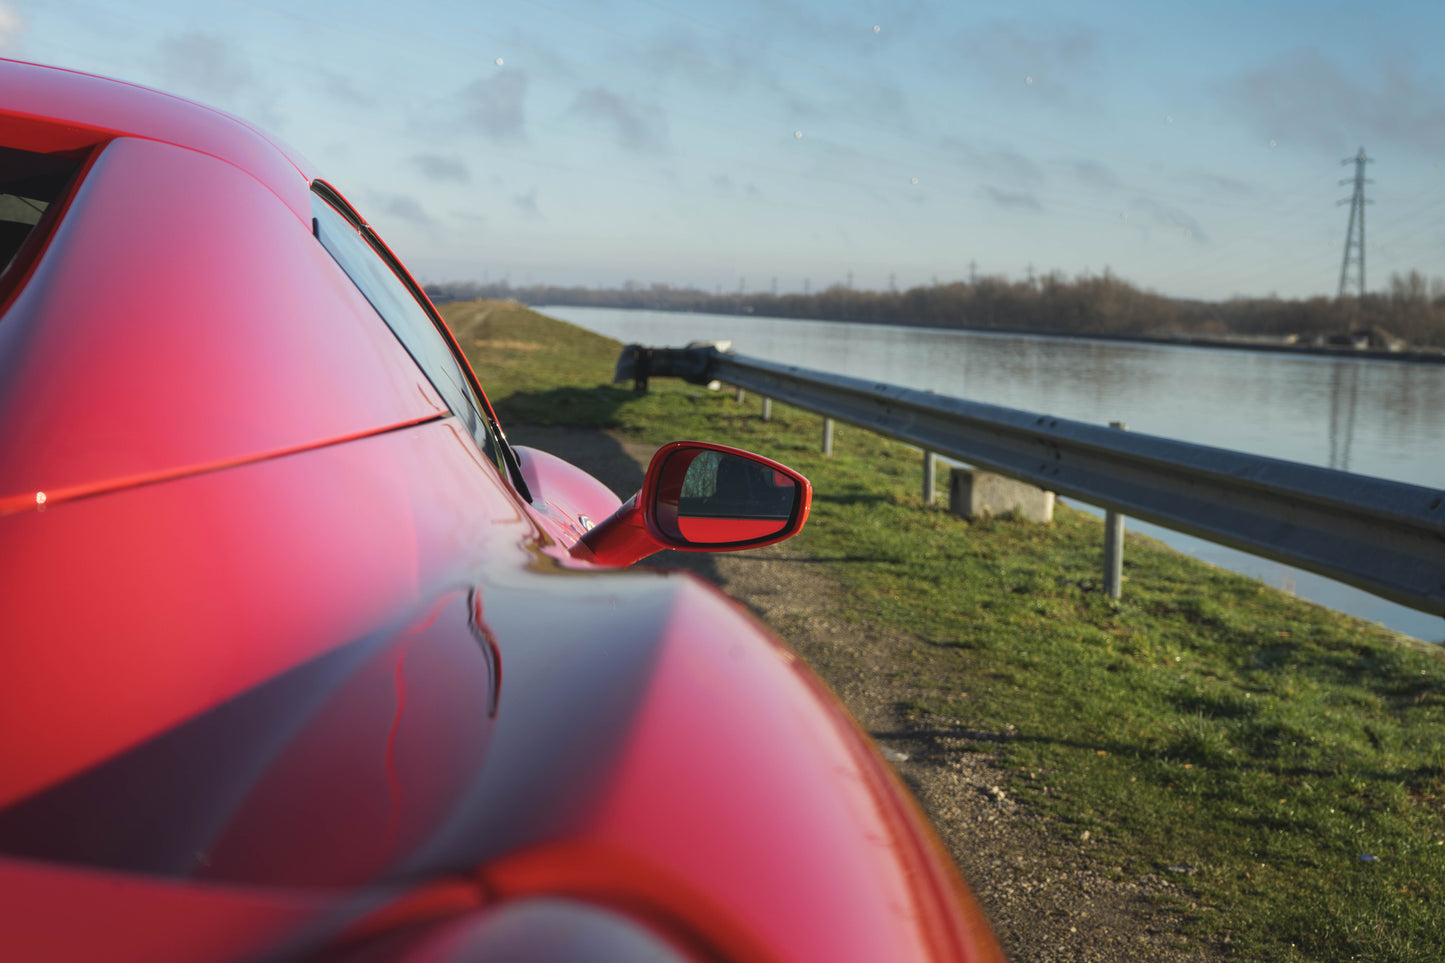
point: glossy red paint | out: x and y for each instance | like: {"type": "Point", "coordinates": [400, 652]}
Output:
{"type": "Point", "coordinates": [814, 829]}
{"type": "Point", "coordinates": [639, 529]}
{"type": "Point", "coordinates": [294, 672]}
{"type": "Point", "coordinates": [108, 372]}
{"type": "Point", "coordinates": [200, 590]}
{"type": "Point", "coordinates": [49, 110]}
{"type": "Point", "coordinates": [572, 499]}
{"type": "Point", "coordinates": [65, 913]}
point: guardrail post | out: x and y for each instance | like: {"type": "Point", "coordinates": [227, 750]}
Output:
{"type": "Point", "coordinates": [767, 409]}
{"type": "Point", "coordinates": [642, 368]}
{"type": "Point", "coordinates": [741, 395]}
{"type": "Point", "coordinates": [827, 437]}
{"type": "Point", "coordinates": [930, 467]}
{"type": "Point", "coordinates": [1114, 544]}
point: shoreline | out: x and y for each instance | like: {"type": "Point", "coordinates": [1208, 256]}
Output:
{"type": "Point", "coordinates": [1411, 356]}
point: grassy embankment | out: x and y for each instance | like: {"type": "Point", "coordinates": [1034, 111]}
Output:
{"type": "Point", "coordinates": [1284, 761]}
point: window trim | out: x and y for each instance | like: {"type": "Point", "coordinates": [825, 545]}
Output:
{"type": "Point", "coordinates": [332, 197]}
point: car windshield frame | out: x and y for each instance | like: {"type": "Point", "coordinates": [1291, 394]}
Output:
{"type": "Point", "coordinates": [412, 319]}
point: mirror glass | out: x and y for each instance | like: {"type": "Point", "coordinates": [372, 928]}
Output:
{"type": "Point", "coordinates": [714, 497]}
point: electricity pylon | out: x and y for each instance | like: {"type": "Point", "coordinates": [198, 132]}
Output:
{"type": "Point", "coordinates": [1355, 233]}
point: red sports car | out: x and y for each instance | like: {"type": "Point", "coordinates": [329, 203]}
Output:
{"type": "Point", "coordinates": [303, 661]}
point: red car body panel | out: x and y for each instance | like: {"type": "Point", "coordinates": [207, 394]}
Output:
{"type": "Point", "coordinates": [293, 671]}
{"type": "Point", "coordinates": [54, 111]}
{"type": "Point", "coordinates": [566, 495]}
{"type": "Point", "coordinates": [170, 370]}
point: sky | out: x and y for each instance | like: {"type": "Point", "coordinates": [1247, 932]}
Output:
{"type": "Point", "coordinates": [1193, 149]}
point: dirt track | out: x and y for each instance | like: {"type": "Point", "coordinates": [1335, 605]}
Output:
{"type": "Point", "coordinates": [1049, 897]}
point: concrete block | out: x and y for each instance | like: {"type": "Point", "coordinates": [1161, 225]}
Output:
{"type": "Point", "coordinates": [972, 493]}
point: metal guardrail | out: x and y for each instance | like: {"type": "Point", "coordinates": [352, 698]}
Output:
{"type": "Point", "coordinates": [1385, 537]}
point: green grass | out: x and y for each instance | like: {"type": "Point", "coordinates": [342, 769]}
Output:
{"type": "Point", "coordinates": [1250, 746]}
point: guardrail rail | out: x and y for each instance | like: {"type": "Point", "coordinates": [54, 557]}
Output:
{"type": "Point", "coordinates": [1385, 537]}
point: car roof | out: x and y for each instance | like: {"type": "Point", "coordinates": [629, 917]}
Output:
{"type": "Point", "coordinates": [54, 110]}
{"type": "Point", "coordinates": [180, 315]}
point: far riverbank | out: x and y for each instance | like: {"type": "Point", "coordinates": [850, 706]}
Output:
{"type": "Point", "coordinates": [1226, 342]}
{"type": "Point", "coordinates": [1405, 318]}
{"type": "Point", "coordinates": [1237, 343]}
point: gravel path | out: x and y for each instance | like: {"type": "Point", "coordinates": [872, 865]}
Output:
{"type": "Point", "coordinates": [1050, 897]}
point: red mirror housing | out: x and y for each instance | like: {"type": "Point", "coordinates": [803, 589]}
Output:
{"type": "Point", "coordinates": [701, 497]}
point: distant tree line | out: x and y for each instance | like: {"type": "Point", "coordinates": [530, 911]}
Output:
{"type": "Point", "coordinates": [1411, 310]}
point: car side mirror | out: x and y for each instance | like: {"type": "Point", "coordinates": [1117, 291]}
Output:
{"type": "Point", "coordinates": [700, 497]}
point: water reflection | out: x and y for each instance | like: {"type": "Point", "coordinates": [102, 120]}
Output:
{"type": "Point", "coordinates": [1343, 399]}
{"type": "Point", "coordinates": [1378, 418]}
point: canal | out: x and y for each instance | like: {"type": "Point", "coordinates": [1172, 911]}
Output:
{"type": "Point", "coordinates": [1380, 418]}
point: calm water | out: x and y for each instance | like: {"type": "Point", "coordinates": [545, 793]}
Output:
{"type": "Point", "coordinates": [1379, 418]}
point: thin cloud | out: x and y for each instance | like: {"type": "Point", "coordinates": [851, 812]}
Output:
{"type": "Point", "coordinates": [722, 63]}
{"type": "Point", "coordinates": [434, 167]}
{"type": "Point", "coordinates": [12, 25]}
{"type": "Point", "coordinates": [1174, 218]}
{"type": "Point", "coordinates": [837, 28]}
{"type": "Point", "coordinates": [1019, 167]}
{"type": "Point", "coordinates": [882, 104]}
{"type": "Point", "coordinates": [996, 164]}
{"type": "Point", "coordinates": [1016, 200]}
{"type": "Point", "coordinates": [887, 105]}
{"type": "Point", "coordinates": [1218, 183]}
{"type": "Point", "coordinates": [1305, 97]}
{"type": "Point", "coordinates": [1100, 177]}
{"type": "Point", "coordinates": [729, 60]}
{"type": "Point", "coordinates": [1097, 176]}
{"type": "Point", "coordinates": [405, 208]}
{"type": "Point", "coordinates": [637, 127]}
{"type": "Point", "coordinates": [744, 58]}
{"type": "Point", "coordinates": [1043, 61]}
{"type": "Point", "coordinates": [343, 91]}
{"type": "Point", "coordinates": [205, 65]}
{"type": "Point", "coordinates": [495, 106]}
{"type": "Point", "coordinates": [527, 203]}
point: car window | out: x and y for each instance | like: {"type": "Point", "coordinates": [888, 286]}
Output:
{"type": "Point", "coordinates": [29, 184]}
{"type": "Point", "coordinates": [408, 320]}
